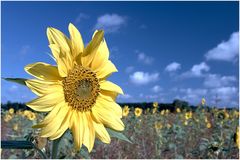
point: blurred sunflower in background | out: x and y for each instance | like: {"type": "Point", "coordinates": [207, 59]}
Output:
{"type": "Point", "coordinates": [126, 111]}
{"type": "Point", "coordinates": [178, 110]}
{"type": "Point", "coordinates": [138, 112]}
{"type": "Point", "coordinates": [75, 92]}
{"type": "Point", "coordinates": [155, 104]}
{"type": "Point", "coordinates": [188, 115]}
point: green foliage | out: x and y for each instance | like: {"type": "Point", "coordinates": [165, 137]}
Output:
{"type": "Point", "coordinates": [16, 80]}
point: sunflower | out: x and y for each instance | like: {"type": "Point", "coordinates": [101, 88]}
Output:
{"type": "Point", "coordinates": [125, 111]}
{"type": "Point", "coordinates": [138, 112]}
{"type": "Point", "coordinates": [76, 92]}
{"type": "Point", "coordinates": [158, 125]}
{"type": "Point", "coordinates": [155, 104]}
{"type": "Point", "coordinates": [203, 101]}
{"type": "Point", "coordinates": [11, 111]}
{"type": "Point", "coordinates": [178, 110]}
{"type": "Point", "coordinates": [208, 125]}
{"type": "Point", "coordinates": [188, 115]}
{"type": "Point", "coordinates": [154, 110]}
{"type": "Point", "coordinates": [31, 116]}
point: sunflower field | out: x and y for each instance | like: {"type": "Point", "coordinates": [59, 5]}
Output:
{"type": "Point", "coordinates": [153, 133]}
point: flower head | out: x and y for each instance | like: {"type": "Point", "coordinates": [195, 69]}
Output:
{"type": "Point", "coordinates": [209, 125]}
{"type": "Point", "coordinates": [11, 111]}
{"type": "Point", "coordinates": [158, 125]}
{"type": "Point", "coordinates": [203, 101]}
{"type": "Point", "coordinates": [188, 115]}
{"type": "Point", "coordinates": [155, 104]}
{"type": "Point", "coordinates": [31, 116]}
{"type": "Point", "coordinates": [125, 111]}
{"type": "Point", "coordinates": [162, 112]}
{"type": "Point", "coordinates": [178, 110]}
{"type": "Point", "coordinates": [138, 112]}
{"type": "Point", "coordinates": [154, 110]}
{"type": "Point", "coordinates": [76, 92]}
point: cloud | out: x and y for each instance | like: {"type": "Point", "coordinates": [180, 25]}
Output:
{"type": "Point", "coordinates": [156, 88]}
{"type": "Point", "coordinates": [142, 57]}
{"type": "Point", "coordinates": [125, 96]}
{"type": "Point", "coordinates": [13, 88]}
{"type": "Point", "coordinates": [141, 78]}
{"type": "Point", "coordinates": [193, 95]}
{"type": "Point", "coordinates": [215, 80]}
{"type": "Point", "coordinates": [226, 50]}
{"type": "Point", "coordinates": [129, 69]}
{"type": "Point", "coordinates": [80, 17]}
{"type": "Point", "coordinates": [24, 49]}
{"type": "Point", "coordinates": [110, 22]}
{"type": "Point", "coordinates": [197, 70]}
{"type": "Point", "coordinates": [173, 67]}
{"type": "Point", "coordinates": [226, 95]}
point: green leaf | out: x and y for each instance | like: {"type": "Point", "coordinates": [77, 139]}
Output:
{"type": "Point", "coordinates": [17, 145]}
{"type": "Point", "coordinates": [118, 135]}
{"type": "Point", "coordinates": [16, 80]}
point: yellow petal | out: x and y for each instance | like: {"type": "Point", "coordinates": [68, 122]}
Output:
{"type": "Point", "coordinates": [91, 49]}
{"type": "Point", "coordinates": [43, 71]}
{"type": "Point", "coordinates": [108, 95]}
{"type": "Point", "coordinates": [77, 129]}
{"type": "Point", "coordinates": [109, 86]}
{"type": "Point", "coordinates": [63, 127]}
{"type": "Point", "coordinates": [109, 105]}
{"type": "Point", "coordinates": [76, 41]}
{"type": "Point", "coordinates": [52, 127]}
{"type": "Point", "coordinates": [50, 116]}
{"type": "Point", "coordinates": [40, 87]}
{"type": "Point", "coordinates": [63, 65]}
{"type": "Point", "coordinates": [105, 70]}
{"type": "Point", "coordinates": [57, 37]}
{"type": "Point", "coordinates": [106, 117]}
{"type": "Point", "coordinates": [101, 132]}
{"type": "Point", "coordinates": [101, 57]}
{"type": "Point", "coordinates": [89, 132]}
{"type": "Point", "coordinates": [46, 102]}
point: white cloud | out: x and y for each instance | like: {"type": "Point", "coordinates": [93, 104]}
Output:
{"type": "Point", "coordinates": [226, 95]}
{"type": "Point", "coordinates": [142, 57]}
{"type": "Point", "coordinates": [80, 17]}
{"type": "Point", "coordinates": [129, 69]}
{"type": "Point", "coordinates": [156, 89]}
{"type": "Point", "coordinates": [193, 95]}
{"type": "Point", "coordinates": [25, 49]}
{"type": "Point", "coordinates": [125, 96]}
{"type": "Point", "coordinates": [13, 88]}
{"type": "Point", "coordinates": [226, 50]}
{"type": "Point", "coordinates": [191, 91]}
{"type": "Point", "coordinates": [215, 80]}
{"type": "Point", "coordinates": [141, 78]}
{"type": "Point", "coordinates": [197, 70]}
{"type": "Point", "coordinates": [173, 67]}
{"type": "Point", "coordinates": [110, 22]}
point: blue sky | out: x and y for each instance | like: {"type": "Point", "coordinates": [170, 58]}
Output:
{"type": "Point", "coordinates": [163, 50]}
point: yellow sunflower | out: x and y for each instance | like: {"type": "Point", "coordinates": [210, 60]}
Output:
{"type": "Point", "coordinates": [125, 111]}
{"type": "Point", "coordinates": [76, 92]}
{"type": "Point", "coordinates": [138, 112]}
{"type": "Point", "coordinates": [11, 111]}
{"type": "Point", "coordinates": [178, 110]}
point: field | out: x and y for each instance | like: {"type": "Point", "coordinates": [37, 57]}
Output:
{"type": "Point", "coordinates": [154, 133]}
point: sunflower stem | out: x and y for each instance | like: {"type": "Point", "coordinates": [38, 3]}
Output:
{"type": "Point", "coordinates": [55, 145]}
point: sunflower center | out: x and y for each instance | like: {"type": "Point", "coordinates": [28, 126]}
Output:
{"type": "Point", "coordinates": [81, 88]}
